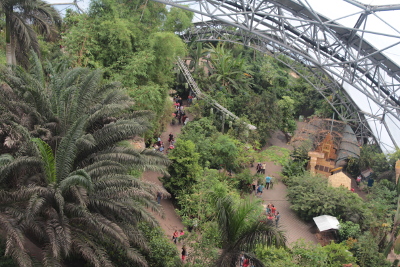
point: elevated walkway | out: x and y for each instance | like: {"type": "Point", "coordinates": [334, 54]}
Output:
{"type": "Point", "coordinates": [193, 85]}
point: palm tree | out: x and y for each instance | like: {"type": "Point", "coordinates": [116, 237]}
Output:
{"type": "Point", "coordinates": [241, 232]}
{"type": "Point", "coordinates": [22, 17]}
{"type": "Point", "coordinates": [68, 191]}
{"type": "Point", "coordinates": [231, 72]}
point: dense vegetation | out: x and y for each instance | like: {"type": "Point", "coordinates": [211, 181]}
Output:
{"type": "Point", "coordinates": [71, 192]}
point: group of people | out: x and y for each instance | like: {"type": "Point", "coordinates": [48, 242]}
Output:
{"type": "Point", "coordinates": [159, 145]}
{"type": "Point", "coordinates": [175, 237]}
{"type": "Point", "coordinates": [272, 214]}
{"type": "Point", "coordinates": [180, 111]}
{"type": "Point", "coordinates": [261, 168]}
{"type": "Point", "coordinates": [258, 189]}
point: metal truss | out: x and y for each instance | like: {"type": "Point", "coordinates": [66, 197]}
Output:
{"type": "Point", "coordinates": [68, 4]}
{"type": "Point", "coordinates": [340, 62]}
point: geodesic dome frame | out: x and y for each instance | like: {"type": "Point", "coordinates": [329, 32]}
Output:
{"type": "Point", "coordinates": [363, 82]}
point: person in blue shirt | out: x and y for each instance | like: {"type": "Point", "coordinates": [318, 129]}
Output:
{"type": "Point", "coordinates": [268, 181]}
{"type": "Point", "coordinates": [260, 190]}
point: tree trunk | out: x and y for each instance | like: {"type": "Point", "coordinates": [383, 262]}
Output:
{"type": "Point", "coordinates": [13, 55]}
{"type": "Point", "coordinates": [10, 52]}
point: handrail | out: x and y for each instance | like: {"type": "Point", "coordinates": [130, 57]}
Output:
{"type": "Point", "coordinates": [193, 85]}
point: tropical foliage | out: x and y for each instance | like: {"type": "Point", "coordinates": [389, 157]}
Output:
{"type": "Point", "coordinates": [24, 18]}
{"type": "Point", "coordinates": [65, 182]}
{"type": "Point", "coordinates": [242, 230]}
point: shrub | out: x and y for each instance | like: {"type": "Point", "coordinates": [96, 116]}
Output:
{"type": "Point", "coordinates": [348, 230]}
{"type": "Point", "coordinates": [311, 196]}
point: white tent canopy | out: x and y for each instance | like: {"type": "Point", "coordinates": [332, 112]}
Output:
{"type": "Point", "coordinates": [326, 222]}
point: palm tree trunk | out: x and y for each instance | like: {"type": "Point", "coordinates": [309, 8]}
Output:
{"type": "Point", "coordinates": [9, 50]}
{"type": "Point", "coordinates": [13, 55]}
{"type": "Point", "coordinates": [9, 54]}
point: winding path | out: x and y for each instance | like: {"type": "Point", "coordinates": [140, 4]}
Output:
{"type": "Point", "coordinates": [289, 222]}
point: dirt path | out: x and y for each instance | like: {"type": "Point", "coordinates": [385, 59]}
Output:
{"type": "Point", "coordinates": [294, 227]}
{"type": "Point", "coordinates": [289, 222]}
{"type": "Point", "coordinates": [170, 221]}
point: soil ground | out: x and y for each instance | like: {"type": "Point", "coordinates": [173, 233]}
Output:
{"type": "Point", "coordinates": [290, 223]}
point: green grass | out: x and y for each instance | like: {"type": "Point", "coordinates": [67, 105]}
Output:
{"type": "Point", "coordinates": [278, 155]}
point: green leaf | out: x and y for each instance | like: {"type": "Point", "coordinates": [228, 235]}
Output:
{"type": "Point", "coordinates": [48, 160]}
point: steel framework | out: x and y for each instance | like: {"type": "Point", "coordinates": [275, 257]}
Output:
{"type": "Point", "coordinates": [359, 81]}
{"type": "Point", "coordinates": [68, 4]}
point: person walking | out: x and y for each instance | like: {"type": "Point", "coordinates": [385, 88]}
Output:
{"type": "Point", "coordinates": [184, 253]}
{"type": "Point", "coordinates": [358, 180]}
{"type": "Point", "coordinates": [263, 167]}
{"type": "Point", "coordinates": [268, 209]}
{"type": "Point", "coordinates": [258, 168]}
{"type": "Point", "coordinates": [170, 137]}
{"type": "Point", "coordinates": [246, 262]}
{"type": "Point", "coordinates": [181, 233]}
{"type": "Point", "coordinates": [175, 236]}
{"type": "Point", "coordinates": [268, 181]}
{"type": "Point", "coordinates": [273, 209]}
{"type": "Point", "coordinates": [254, 186]}
{"type": "Point", "coordinates": [260, 190]}
{"type": "Point", "coordinates": [159, 197]}
{"type": "Point", "coordinates": [277, 217]}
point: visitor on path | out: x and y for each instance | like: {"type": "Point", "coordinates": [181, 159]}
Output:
{"type": "Point", "coordinates": [246, 262]}
{"type": "Point", "coordinates": [159, 197]}
{"type": "Point", "coordinates": [277, 217]}
{"type": "Point", "coordinates": [258, 168]}
{"type": "Point", "coordinates": [254, 186]}
{"type": "Point", "coordinates": [179, 115]}
{"type": "Point", "coordinates": [159, 142]}
{"type": "Point", "coordinates": [268, 209]}
{"type": "Point", "coordinates": [184, 253]}
{"type": "Point", "coordinates": [273, 209]}
{"type": "Point", "coordinates": [171, 146]}
{"type": "Point", "coordinates": [270, 217]}
{"type": "Point", "coordinates": [358, 180]}
{"type": "Point", "coordinates": [161, 149]}
{"type": "Point", "coordinates": [184, 117]}
{"type": "Point", "coordinates": [181, 233]}
{"type": "Point", "coordinates": [175, 236]}
{"type": "Point", "coordinates": [260, 190]}
{"type": "Point", "coordinates": [263, 167]}
{"type": "Point", "coordinates": [268, 181]}
{"type": "Point", "coordinates": [189, 100]}
{"type": "Point", "coordinates": [170, 137]}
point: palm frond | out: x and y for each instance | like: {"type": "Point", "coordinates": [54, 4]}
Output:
{"type": "Point", "coordinates": [90, 251]}
{"type": "Point", "coordinates": [261, 232]}
{"type": "Point", "coordinates": [104, 167]}
{"type": "Point", "coordinates": [48, 160]}
{"type": "Point", "coordinates": [119, 131]}
{"type": "Point", "coordinates": [79, 177]}
{"type": "Point", "coordinates": [18, 164]}
{"type": "Point", "coordinates": [67, 149]}
{"type": "Point", "coordinates": [15, 242]}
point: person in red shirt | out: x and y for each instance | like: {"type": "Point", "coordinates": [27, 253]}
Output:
{"type": "Point", "coordinates": [175, 236]}
{"type": "Point", "coordinates": [273, 209]}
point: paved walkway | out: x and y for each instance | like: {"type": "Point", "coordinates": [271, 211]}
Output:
{"type": "Point", "coordinates": [289, 221]}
